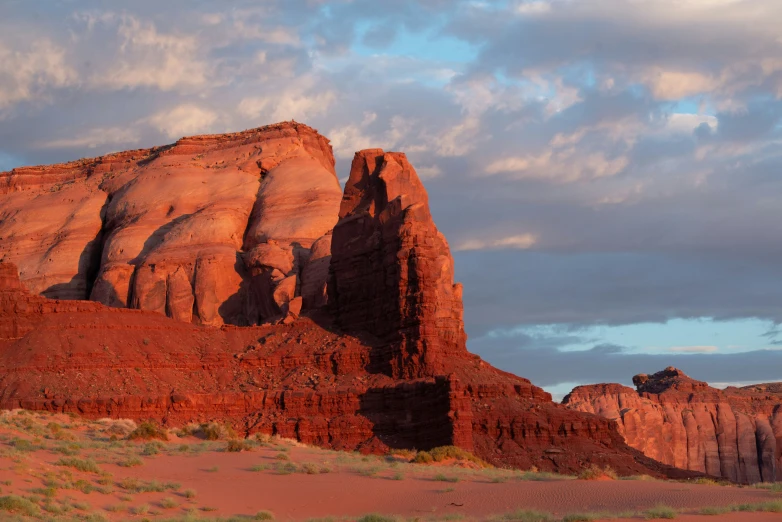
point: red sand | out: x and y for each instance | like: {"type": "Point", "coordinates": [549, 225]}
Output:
{"type": "Point", "coordinates": [234, 489]}
{"type": "Point", "coordinates": [355, 485]}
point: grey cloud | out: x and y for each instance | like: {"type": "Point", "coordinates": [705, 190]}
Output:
{"type": "Point", "coordinates": [546, 366]}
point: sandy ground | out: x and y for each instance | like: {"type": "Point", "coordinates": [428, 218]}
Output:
{"type": "Point", "coordinates": [197, 478]}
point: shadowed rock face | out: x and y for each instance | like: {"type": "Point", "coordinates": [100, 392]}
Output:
{"type": "Point", "coordinates": [370, 354]}
{"type": "Point", "coordinates": [392, 270]}
{"type": "Point", "coordinates": [733, 433]}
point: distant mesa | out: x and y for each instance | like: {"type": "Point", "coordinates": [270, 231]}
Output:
{"type": "Point", "coordinates": [228, 277]}
{"type": "Point", "coordinates": [735, 434]}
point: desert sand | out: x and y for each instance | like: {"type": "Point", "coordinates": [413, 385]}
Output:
{"type": "Point", "coordinates": [73, 468]}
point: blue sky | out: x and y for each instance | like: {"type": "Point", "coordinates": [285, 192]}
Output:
{"type": "Point", "coordinates": [607, 172]}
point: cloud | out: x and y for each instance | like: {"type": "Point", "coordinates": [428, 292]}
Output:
{"type": "Point", "coordinates": [291, 105]}
{"type": "Point", "coordinates": [183, 120]}
{"type": "Point", "coordinates": [30, 74]}
{"type": "Point", "coordinates": [520, 242]}
{"type": "Point", "coordinates": [547, 365]}
{"type": "Point", "coordinates": [95, 138]}
{"type": "Point", "coordinates": [147, 57]}
{"type": "Point", "coordinates": [693, 349]}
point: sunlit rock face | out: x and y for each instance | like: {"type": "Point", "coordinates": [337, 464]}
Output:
{"type": "Point", "coordinates": [210, 230]}
{"type": "Point", "coordinates": [670, 417]}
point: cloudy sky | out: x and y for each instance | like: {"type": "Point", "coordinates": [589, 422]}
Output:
{"type": "Point", "coordinates": [607, 172]}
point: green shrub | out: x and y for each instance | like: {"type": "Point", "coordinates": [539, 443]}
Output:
{"type": "Point", "coordinates": [310, 469]}
{"type": "Point", "coordinates": [189, 493]}
{"type": "Point", "coordinates": [148, 431]}
{"type": "Point", "coordinates": [168, 503]}
{"type": "Point", "coordinates": [151, 448]}
{"type": "Point", "coordinates": [595, 472]}
{"type": "Point", "coordinates": [661, 511]}
{"type": "Point", "coordinates": [526, 515]}
{"type": "Point", "coordinates": [217, 431]}
{"type": "Point", "coordinates": [86, 465]}
{"type": "Point", "coordinates": [131, 462]}
{"type": "Point", "coordinates": [235, 446]}
{"type": "Point", "coordinates": [442, 453]}
{"type": "Point", "coordinates": [264, 515]}
{"type": "Point", "coordinates": [373, 517]}
{"type": "Point", "coordinates": [423, 457]}
{"type": "Point", "coordinates": [442, 478]}
{"type": "Point", "coordinates": [282, 456]}
{"type": "Point", "coordinates": [581, 517]}
{"type": "Point", "coordinates": [23, 445]}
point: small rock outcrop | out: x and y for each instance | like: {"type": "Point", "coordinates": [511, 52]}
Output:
{"type": "Point", "coordinates": [733, 433]}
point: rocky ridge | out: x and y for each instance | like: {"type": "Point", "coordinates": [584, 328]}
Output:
{"type": "Point", "coordinates": [263, 297]}
{"type": "Point", "coordinates": [734, 433]}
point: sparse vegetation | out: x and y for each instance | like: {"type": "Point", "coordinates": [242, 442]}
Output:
{"type": "Point", "coordinates": [19, 505]}
{"type": "Point", "coordinates": [86, 465]}
{"type": "Point", "coordinates": [376, 518]}
{"type": "Point", "coordinates": [664, 512]}
{"type": "Point", "coordinates": [216, 431]}
{"type": "Point", "coordinates": [168, 503]}
{"type": "Point", "coordinates": [236, 446]}
{"type": "Point", "coordinates": [526, 515]}
{"type": "Point", "coordinates": [148, 431]}
{"type": "Point", "coordinates": [443, 478]}
{"type": "Point", "coordinates": [264, 515]}
{"type": "Point", "coordinates": [189, 493]}
{"type": "Point", "coordinates": [130, 462]}
{"type": "Point", "coordinates": [595, 472]}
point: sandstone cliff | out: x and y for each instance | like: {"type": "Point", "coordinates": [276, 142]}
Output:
{"type": "Point", "coordinates": [734, 433]}
{"type": "Point", "coordinates": [210, 230]}
{"type": "Point", "coordinates": [238, 229]}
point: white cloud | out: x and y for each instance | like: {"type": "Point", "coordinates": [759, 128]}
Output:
{"type": "Point", "coordinates": [561, 166]}
{"type": "Point", "coordinates": [96, 137]}
{"type": "Point", "coordinates": [27, 75]}
{"type": "Point", "coordinates": [149, 58]}
{"type": "Point", "coordinates": [672, 85]}
{"type": "Point", "coordinates": [429, 172]}
{"type": "Point", "coordinates": [518, 242]}
{"type": "Point", "coordinates": [532, 7]}
{"type": "Point", "coordinates": [183, 120]}
{"type": "Point", "coordinates": [693, 349]}
{"type": "Point", "coordinates": [294, 103]}
{"type": "Point", "coordinates": [683, 123]}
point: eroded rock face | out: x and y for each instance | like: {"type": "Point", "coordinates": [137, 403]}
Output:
{"type": "Point", "coordinates": [732, 433]}
{"type": "Point", "coordinates": [136, 229]}
{"type": "Point", "coordinates": [391, 269]}
{"type": "Point", "coordinates": [238, 228]}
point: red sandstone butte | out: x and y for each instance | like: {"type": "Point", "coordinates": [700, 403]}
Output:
{"type": "Point", "coordinates": [734, 433]}
{"type": "Point", "coordinates": [261, 296]}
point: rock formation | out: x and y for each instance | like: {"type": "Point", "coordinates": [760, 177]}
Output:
{"type": "Point", "coordinates": [734, 433]}
{"type": "Point", "coordinates": [354, 336]}
{"type": "Point", "coordinates": [392, 270]}
{"type": "Point", "coordinates": [213, 229]}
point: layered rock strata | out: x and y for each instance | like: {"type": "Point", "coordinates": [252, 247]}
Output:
{"type": "Point", "coordinates": [371, 353]}
{"type": "Point", "coordinates": [734, 433]}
